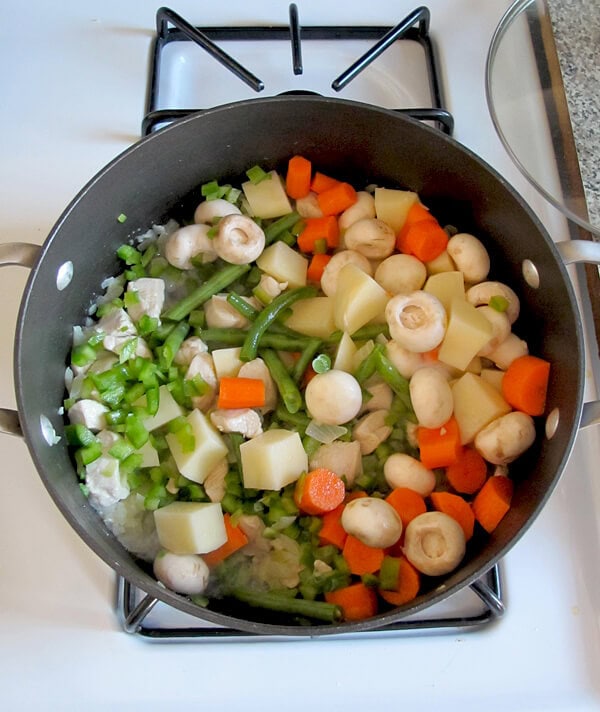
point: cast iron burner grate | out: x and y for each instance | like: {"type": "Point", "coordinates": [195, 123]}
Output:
{"type": "Point", "coordinates": [476, 605]}
{"type": "Point", "coordinates": [415, 27]}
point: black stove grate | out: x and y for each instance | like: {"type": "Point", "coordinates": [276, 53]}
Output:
{"type": "Point", "coordinates": [414, 26]}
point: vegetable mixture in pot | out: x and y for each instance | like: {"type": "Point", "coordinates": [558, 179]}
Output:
{"type": "Point", "coordinates": [306, 399]}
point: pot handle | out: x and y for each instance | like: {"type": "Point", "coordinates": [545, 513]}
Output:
{"type": "Point", "coordinates": [23, 254]}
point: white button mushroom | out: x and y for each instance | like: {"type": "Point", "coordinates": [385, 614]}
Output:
{"type": "Point", "coordinates": [371, 237]}
{"type": "Point", "coordinates": [417, 321]}
{"type": "Point", "coordinates": [239, 240]}
{"type": "Point", "coordinates": [481, 293]}
{"type": "Point", "coordinates": [470, 256]}
{"type": "Point", "coordinates": [407, 362]}
{"type": "Point", "coordinates": [402, 470]}
{"type": "Point", "coordinates": [188, 242]}
{"type": "Point", "coordinates": [434, 543]}
{"type": "Point", "coordinates": [401, 274]}
{"type": "Point", "coordinates": [329, 278]}
{"type": "Point", "coordinates": [508, 350]}
{"type": "Point", "coordinates": [364, 207]}
{"type": "Point", "coordinates": [333, 397]}
{"type": "Point", "coordinates": [373, 521]}
{"type": "Point", "coordinates": [505, 438]}
{"type": "Point", "coordinates": [209, 210]}
{"type": "Point", "coordinates": [371, 430]}
{"type": "Point", "coordinates": [431, 397]}
{"type": "Point", "coordinates": [182, 573]}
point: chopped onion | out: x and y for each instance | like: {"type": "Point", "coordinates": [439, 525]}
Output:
{"type": "Point", "coordinates": [325, 433]}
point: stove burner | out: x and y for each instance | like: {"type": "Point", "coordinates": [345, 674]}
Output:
{"type": "Point", "coordinates": [414, 26]}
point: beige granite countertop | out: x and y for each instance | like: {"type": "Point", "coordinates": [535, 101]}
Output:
{"type": "Point", "coordinates": [576, 26]}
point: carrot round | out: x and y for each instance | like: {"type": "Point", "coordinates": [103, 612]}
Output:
{"type": "Point", "coordinates": [525, 384]}
{"type": "Point", "coordinates": [456, 507]}
{"type": "Point", "coordinates": [493, 501]}
{"type": "Point", "coordinates": [319, 491]}
{"type": "Point", "coordinates": [421, 235]}
{"type": "Point", "coordinates": [332, 531]}
{"type": "Point", "coordinates": [235, 540]}
{"type": "Point", "coordinates": [361, 559]}
{"type": "Point", "coordinates": [439, 447]}
{"type": "Point", "coordinates": [335, 200]}
{"type": "Point", "coordinates": [407, 588]}
{"type": "Point", "coordinates": [298, 177]}
{"type": "Point", "coordinates": [319, 229]}
{"type": "Point", "coordinates": [468, 473]}
{"type": "Point", "coordinates": [321, 182]}
{"type": "Point", "coordinates": [408, 503]}
{"type": "Point", "coordinates": [357, 601]}
{"type": "Point", "coordinates": [317, 267]}
{"type": "Point", "coordinates": [235, 392]}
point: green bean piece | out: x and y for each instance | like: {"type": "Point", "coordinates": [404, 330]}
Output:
{"type": "Point", "coordinates": [306, 356]}
{"type": "Point", "coordinates": [370, 331]}
{"type": "Point", "coordinates": [368, 366]}
{"type": "Point", "coordinates": [395, 380]}
{"type": "Point", "coordinates": [172, 343]}
{"type": "Point", "coordinates": [268, 315]}
{"type": "Point", "coordinates": [283, 603]}
{"type": "Point", "coordinates": [221, 279]}
{"type": "Point", "coordinates": [242, 306]}
{"type": "Point", "coordinates": [290, 395]}
{"type": "Point", "coordinates": [279, 227]}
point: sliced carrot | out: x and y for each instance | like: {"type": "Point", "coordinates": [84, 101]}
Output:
{"type": "Point", "coordinates": [298, 177]}
{"type": "Point", "coordinates": [493, 501]}
{"type": "Point", "coordinates": [332, 531]}
{"type": "Point", "coordinates": [362, 559]}
{"type": "Point", "coordinates": [323, 229]}
{"type": "Point", "coordinates": [407, 588]}
{"type": "Point", "coordinates": [468, 473]}
{"type": "Point", "coordinates": [235, 392]}
{"type": "Point", "coordinates": [335, 200]}
{"type": "Point", "coordinates": [456, 507]}
{"type": "Point", "coordinates": [408, 503]}
{"type": "Point", "coordinates": [525, 384]}
{"type": "Point", "coordinates": [421, 235]}
{"type": "Point", "coordinates": [236, 539]}
{"type": "Point", "coordinates": [439, 447]}
{"type": "Point", "coordinates": [319, 491]}
{"type": "Point", "coordinates": [357, 601]}
{"type": "Point", "coordinates": [321, 182]}
{"type": "Point", "coordinates": [316, 267]}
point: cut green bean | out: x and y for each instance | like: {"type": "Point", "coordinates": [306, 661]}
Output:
{"type": "Point", "coordinates": [290, 395]}
{"type": "Point", "coordinates": [221, 279]}
{"type": "Point", "coordinates": [370, 331]}
{"type": "Point", "coordinates": [277, 228]}
{"type": "Point", "coordinates": [268, 315]}
{"type": "Point", "coordinates": [306, 356]}
{"type": "Point", "coordinates": [172, 343]}
{"type": "Point", "coordinates": [395, 380]}
{"type": "Point", "coordinates": [283, 603]}
{"type": "Point", "coordinates": [368, 366]}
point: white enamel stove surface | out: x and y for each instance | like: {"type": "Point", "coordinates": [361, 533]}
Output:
{"type": "Point", "coordinates": [73, 88]}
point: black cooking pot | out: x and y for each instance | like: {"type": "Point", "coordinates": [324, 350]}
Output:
{"type": "Point", "coordinates": [159, 177]}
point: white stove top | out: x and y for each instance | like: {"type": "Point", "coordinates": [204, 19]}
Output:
{"type": "Point", "coordinates": [73, 78]}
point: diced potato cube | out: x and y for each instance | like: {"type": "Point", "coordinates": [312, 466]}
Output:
{"type": "Point", "coordinates": [468, 330]}
{"type": "Point", "coordinates": [268, 198]}
{"type": "Point", "coordinates": [313, 317]}
{"type": "Point", "coordinates": [284, 264]}
{"type": "Point", "coordinates": [493, 376]}
{"type": "Point", "coordinates": [446, 286]}
{"type": "Point", "coordinates": [168, 409]}
{"type": "Point", "coordinates": [442, 263]}
{"type": "Point", "coordinates": [476, 404]}
{"type": "Point", "coordinates": [227, 362]}
{"type": "Point", "coordinates": [273, 459]}
{"type": "Point", "coordinates": [344, 356]}
{"type": "Point", "coordinates": [190, 527]}
{"type": "Point", "coordinates": [209, 448]}
{"type": "Point", "coordinates": [392, 206]}
{"type": "Point", "coordinates": [357, 300]}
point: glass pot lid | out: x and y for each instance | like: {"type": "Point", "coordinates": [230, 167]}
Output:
{"type": "Point", "coordinates": [545, 104]}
